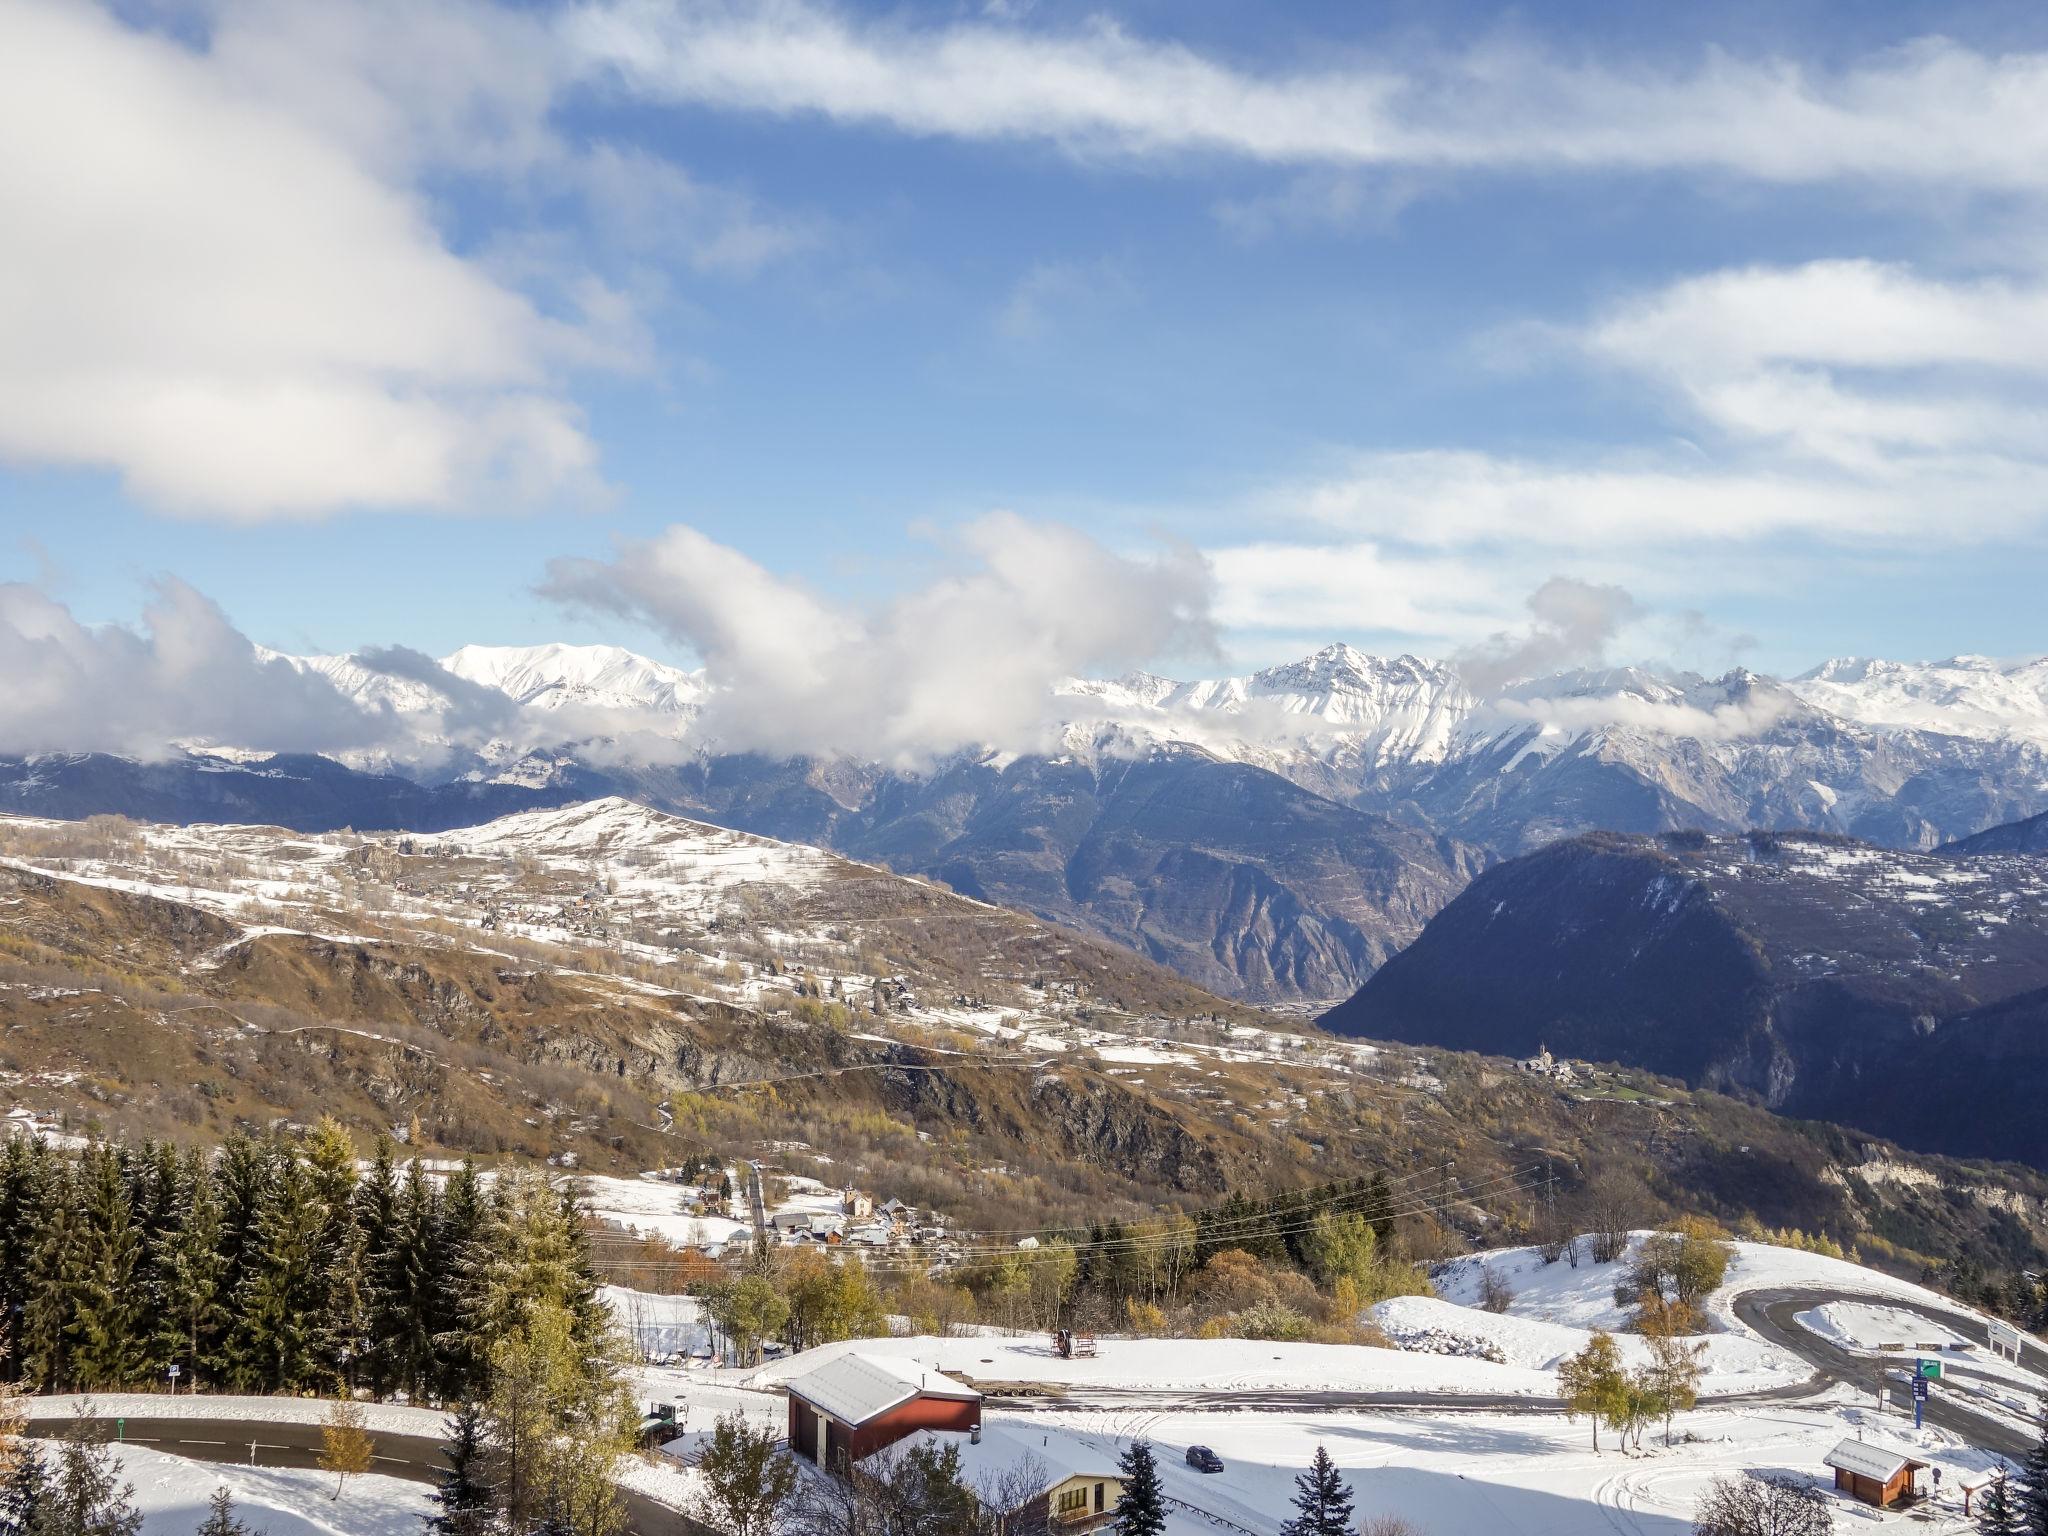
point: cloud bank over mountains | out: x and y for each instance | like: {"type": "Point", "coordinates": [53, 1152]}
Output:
{"type": "Point", "coordinates": [1029, 637]}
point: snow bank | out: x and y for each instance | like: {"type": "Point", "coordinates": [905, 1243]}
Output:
{"type": "Point", "coordinates": [1858, 1325]}
{"type": "Point", "coordinates": [1732, 1363]}
{"type": "Point", "coordinates": [378, 1418]}
{"type": "Point", "coordinates": [171, 1493]}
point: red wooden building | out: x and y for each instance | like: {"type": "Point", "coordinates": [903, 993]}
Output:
{"type": "Point", "coordinates": [854, 1405]}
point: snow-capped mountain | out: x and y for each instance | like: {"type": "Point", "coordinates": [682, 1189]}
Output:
{"type": "Point", "coordinates": [1339, 705]}
{"type": "Point", "coordinates": [1276, 833]}
{"type": "Point", "coordinates": [1970, 696]}
{"type": "Point", "coordinates": [559, 676]}
{"type": "Point", "coordinates": [548, 677]}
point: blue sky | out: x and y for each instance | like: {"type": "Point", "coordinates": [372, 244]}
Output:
{"type": "Point", "coordinates": [356, 317]}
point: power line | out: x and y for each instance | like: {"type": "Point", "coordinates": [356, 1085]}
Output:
{"type": "Point", "coordinates": [1261, 1225]}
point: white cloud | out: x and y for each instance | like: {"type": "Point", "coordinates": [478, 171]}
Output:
{"type": "Point", "coordinates": [187, 676]}
{"type": "Point", "coordinates": [207, 295]}
{"type": "Point", "coordinates": [1859, 363]}
{"type": "Point", "coordinates": [222, 278]}
{"type": "Point", "coordinates": [968, 659]}
{"type": "Point", "coordinates": [1323, 589]}
{"type": "Point", "coordinates": [1571, 624]}
{"type": "Point", "coordinates": [1051, 292]}
{"type": "Point", "coordinates": [1934, 112]}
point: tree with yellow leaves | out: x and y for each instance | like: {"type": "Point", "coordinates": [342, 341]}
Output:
{"type": "Point", "coordinates": [345, 1446]}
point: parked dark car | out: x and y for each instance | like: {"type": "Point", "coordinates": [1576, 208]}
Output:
{"type": "Point", "coordinates": [1202, 1459]}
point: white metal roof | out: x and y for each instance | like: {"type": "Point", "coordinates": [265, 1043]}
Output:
{"type": "Point", "coordinates": [857, 1388]}
{"type": "Point", "coordinates": [1866, 1458]}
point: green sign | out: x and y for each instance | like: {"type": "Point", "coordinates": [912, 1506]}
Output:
{"type": "Point", "coordinates": [1927, 1370]}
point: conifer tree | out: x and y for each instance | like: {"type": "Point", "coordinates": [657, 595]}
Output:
{"type": "Point", "coordinates": [276, 1312]}
{"type": "Point", "coordinates": [344, 1343]}
{"type": "Point", "coordinates": [1998, 1511]}
{"type": "Point", "coordinates": [1323, 1499]}
{"type": "Point", "coordinates": [331, 1169]}
{"type": "Point", "coordinates": [24, 1495]}
{"type": "Point", "coordinates": [2033, 1493]}
{"type": "Point", "coordinates": [1141, 1509]}
{"type": "Point", "coordinates": [464, 1499]}
{"type": "Point", "coordinates": [189, 1270]}
{"type": "Point", "coordinates": [50, 1307]}
{"type": "Point", "coordinates": [469, 1226]}
{"type": "Point", "coordinates": [241, 1178]}
{"type": "Point", "coordinates": [410, 1276]}
{"type": "Point", "coordinates": [109, 1326]}
{"type": "Point", "coordinates": [220, 1515]}
{"type": "Point", "coordinates": [376, 1205]}
{"type": "Point", "coordinates": [82, 1497]}
{"type": "Point", "coordinates": [25, 1177]}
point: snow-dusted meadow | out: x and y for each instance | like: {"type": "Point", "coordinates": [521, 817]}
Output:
{"type": "Point", "coordinates": [171, 1493]}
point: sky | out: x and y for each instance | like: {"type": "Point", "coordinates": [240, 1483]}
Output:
{"type": "Point", "coordinates": [1185, 335]}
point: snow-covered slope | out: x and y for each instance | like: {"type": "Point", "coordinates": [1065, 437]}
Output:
{"type": "Point", "coordinates": [1339, 704]}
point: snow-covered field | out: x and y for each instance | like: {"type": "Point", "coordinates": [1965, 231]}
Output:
{"type": "Point", "coordinates": [171, 1493]}
{"type": "Point", "coordinates": [655, 1208]}
{"type": "Point", "coordinates": [1493, 1474]}
{"type": "Point", "coordinates": [1188, 1365]}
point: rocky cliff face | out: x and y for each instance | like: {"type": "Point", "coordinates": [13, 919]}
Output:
{"type": "Point", "coordinates": [2029, 836]}
{"type": "Point", "coordinates": [1828, 977]}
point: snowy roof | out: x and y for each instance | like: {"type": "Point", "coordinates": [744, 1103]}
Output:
{"type": "Point", "coordinates": [857, 1388]}
{"type": "Point", "coordinates": [1007, 1445]}
{"type": "Point", "coordinates": [1866, 1458]}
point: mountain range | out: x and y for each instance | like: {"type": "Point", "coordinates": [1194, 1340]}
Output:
{"type": "Point", "coordinates": [1903, 993]}
{"type": "Point", "coordinates": [1275, 835]}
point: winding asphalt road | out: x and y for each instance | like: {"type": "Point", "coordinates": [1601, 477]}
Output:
{"type": "Point", "coordinates": [1772, 1314]}
{"type": "Point", "coordinates": [415, 1458]}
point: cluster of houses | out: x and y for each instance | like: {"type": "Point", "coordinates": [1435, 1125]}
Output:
{"type": "Point", "coordinates": [860, 1223]}
{"type": "Point", "coordinates": [1543, 1064]}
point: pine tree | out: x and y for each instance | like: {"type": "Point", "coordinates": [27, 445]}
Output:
{"type": "Point", "coordinates": [51, 1290]}
{"type": "Point", "coordinates": [189, 1270]}
{"type": "Point", "coordinates": [464, 1498]}
{"type": "Point", "coordinates": [2033, 1492]}
{"type": "Point", "coordinates": [376, 1205]}
{"type": "Point", "coordinates": [1997, 1509]}
{"type": "Point", "coordinates": [220, 1515]}
{"type": "Point", "coordinates": [277, 1310]}
{"type": "Point", "coordinates": [469, 1223]}
{"type": "Point", "coordinates": [1141, 1508]}
{"type": "Point", "coordinates": [409, 1279]}
{"type": "Point", "coordinates": [344, 1343]}
{"type": "Point", "coordinates": [109, 1325]}
{"type": "Point", "coordinates": [1324, 1499]}
{"type": "Point", "coordinates": [83, 1499]}
{"type": "Point", "coordinates": [24, 1495]}
{"type": "Point", "coordinates": [25, 1177]}
{"type": "Point", "coordinates": [241, 1179]}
